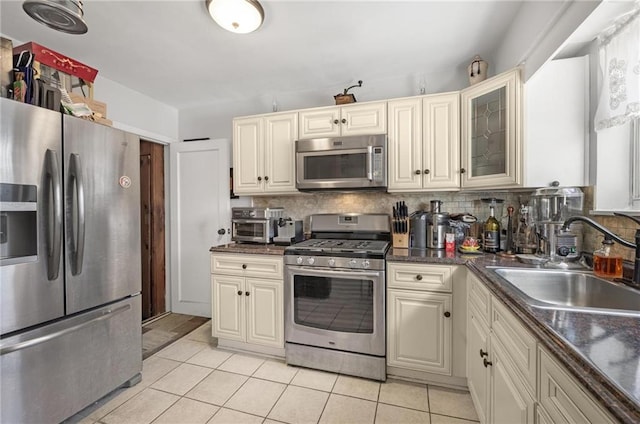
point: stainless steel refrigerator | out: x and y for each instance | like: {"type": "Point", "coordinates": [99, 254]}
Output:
{"type": "Point", "coordinates": [70, 273]}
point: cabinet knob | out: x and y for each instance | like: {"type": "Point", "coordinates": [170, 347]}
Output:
{"type": "Point", "coordinates": [419, 277]}
{"type": "Point", "coordinates": [221, 231]}
{"type": "Point", "coordinates": [462, 170]}
{"type": "Point", "coordinates": [335, 121]}
{"type": "Point", "coordinates": [344, 121]}
{"type": "Point", "coordinates": [244, 266]}
{"type": "Point", "coordinates": [246, 293]}
{"type": "Point", "coordinates": [426, 171]}
{"type": "Point", "coordinates": [486, 363]}
{"type": "Point", "coordinates": [417, 172]}
{"type": "Point", "coordinates": [483, 353]}
{"type": "Point", "coordinates": [259, 178]}
{"type": "Point", "coordinates": [239, 292]}
{"type": "Point", "coordinates": [266, 178]}
{"type": "Point", "coordinates": [447, 314]}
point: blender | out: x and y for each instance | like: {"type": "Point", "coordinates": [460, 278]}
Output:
{"type": "Point", "coordinates": [550, 208]}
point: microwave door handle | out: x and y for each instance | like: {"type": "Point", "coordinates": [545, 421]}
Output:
{"type": "Point", "coordinates": [370, 163]}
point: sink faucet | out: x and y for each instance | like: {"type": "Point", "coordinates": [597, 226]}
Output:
{"type": "Point", "coordinates": [636, 264]}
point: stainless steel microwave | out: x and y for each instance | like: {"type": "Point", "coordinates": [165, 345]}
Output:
{"type": "Point", "coordinates": [342, 163]}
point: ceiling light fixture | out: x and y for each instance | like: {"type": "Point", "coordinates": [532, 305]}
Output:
{"type": "Point", "coordinates": [239, 16]}
{"type": "Point", "coordinates": [61, 15]}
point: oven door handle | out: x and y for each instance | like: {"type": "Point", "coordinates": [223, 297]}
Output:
{"type": "Point", "coordinates": [324, 272]}
{"type": "Point", "coordinates": [250, 221]}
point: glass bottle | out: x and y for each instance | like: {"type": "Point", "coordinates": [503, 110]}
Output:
{"type": "Point", "coordinates": [604, 263]}
{"type": "Point", "coordinates": [491, 233]}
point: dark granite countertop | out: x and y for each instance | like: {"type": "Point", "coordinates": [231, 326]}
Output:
{"type": "Point", "coordinates": [601, 351]}
{"type": "Point", "coordinates": [246, 248]}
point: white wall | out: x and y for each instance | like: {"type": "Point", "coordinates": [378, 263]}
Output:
{"type": "Point", "coordinates": [538, 31]}
{"type": "Point", "coordinates": [136, 112]}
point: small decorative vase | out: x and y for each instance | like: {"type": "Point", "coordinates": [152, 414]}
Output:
{"type": "Point", "coordinates": [477, 70]}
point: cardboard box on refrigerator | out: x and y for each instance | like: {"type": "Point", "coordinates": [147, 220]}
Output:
{"type": "Point", "coordinates": [99, 108]}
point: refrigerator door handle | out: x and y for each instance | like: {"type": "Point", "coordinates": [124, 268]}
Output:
{"type": "Point", "coordinates": [53, 192]}
{"type": "Point", "coordinates": [75, 190]}
{"type": "Point", "coordinates": [104, 315]}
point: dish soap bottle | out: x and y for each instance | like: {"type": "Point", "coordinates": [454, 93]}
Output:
{"type": "Point", "coordinates": [605, 264]}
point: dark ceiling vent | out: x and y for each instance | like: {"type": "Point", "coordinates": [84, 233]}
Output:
{"type": "Point", "coordinates": [61, 15]}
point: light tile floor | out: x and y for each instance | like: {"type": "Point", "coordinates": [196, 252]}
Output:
{"type": "Point", "coordinates": [191, 381]}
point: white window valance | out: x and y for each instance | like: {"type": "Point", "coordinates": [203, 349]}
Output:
{"type": "Point", "coordinates": [619, 79]}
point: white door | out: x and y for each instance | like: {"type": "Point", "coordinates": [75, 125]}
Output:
{"type": "Point", "coordinates": [200, 207]}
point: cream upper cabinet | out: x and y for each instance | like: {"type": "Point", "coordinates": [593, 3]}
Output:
{"type": "Point", "coordinates": [335, 121]}
{"type": "Point", "coordinates": [424, 143]}
{"type": "Point", "coordinates": [556, 125]}
{"type": "Point", "coordinates": [264, 154]}
{"type": "Point", "coordinates": [491, 132]}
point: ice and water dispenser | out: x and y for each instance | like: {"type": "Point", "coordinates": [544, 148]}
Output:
{"type": "Point", "coordinates": [18, 223]}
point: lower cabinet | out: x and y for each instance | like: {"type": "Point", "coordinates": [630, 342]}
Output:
{"type": "Point", "coordinates": [513, 380]}
{"type": "Point", "coordinates": [421, 317]}
{"type": "Point", "coordinates": [247, 301]}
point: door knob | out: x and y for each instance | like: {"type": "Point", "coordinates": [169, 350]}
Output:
{"type": "Point", "coordinates": [483, 353]}
{"type": "Point", "coordinates": [246, 293]}
{"type": "Point", "coordinates": [447, 314]}
{"type": "Point", "coordinates": [417, 172]}
{"type": "Point", "coordinates": [344, 121]}
{"type": "Point", "coordinates": [259, 178]}
{"type": "Point", "coordinates": [335, 121]}
{"type": "Point", "coordinates": [239, 292]}
{"type": "Point", "coordinates": [221, 231]}
{"type": "Point", "coordinates": [462, 170]}
{"type": "Point", "coordinates": [266, 178]}
{"type": "Point", "coordinates": [486, 363]}
{"type": "Point", "coordinates": [426, 171]}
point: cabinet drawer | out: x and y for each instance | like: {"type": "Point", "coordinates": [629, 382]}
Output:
{"type": "Point", "coordinates": [419, 277]}
{"type": "Point", "coordinates": [247, 265]}
{"type": "Point", "coordinates": [479, 297]}
{"type": "Point", "coordinates": [519, 344]}
{"type": "Point", "coordinates": [563, 399]}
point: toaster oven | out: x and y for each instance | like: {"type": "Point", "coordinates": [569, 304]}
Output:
{"type": "Point", "coordinates": [255, 225]}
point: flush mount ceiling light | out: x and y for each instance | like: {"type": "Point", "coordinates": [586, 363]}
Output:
{"type": "Point", "coordinates": [239, 16]}
{"type": "Point", "coordinates": [61, 15]}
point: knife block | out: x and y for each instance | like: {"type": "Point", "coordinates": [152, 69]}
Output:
{"type": "Point", "coordinates": [401, 240]}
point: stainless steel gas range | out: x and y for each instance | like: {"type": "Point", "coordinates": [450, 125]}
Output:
{"type": "Point", "coordinates": [334, 295]}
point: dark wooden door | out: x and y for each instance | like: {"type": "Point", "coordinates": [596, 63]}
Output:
{"type": "Point", "coordinates": [153, 231]}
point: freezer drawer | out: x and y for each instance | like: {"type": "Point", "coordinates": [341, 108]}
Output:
{"type": "Point", "coordinates": [53, 372]}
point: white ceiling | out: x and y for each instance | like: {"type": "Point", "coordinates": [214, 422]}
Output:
{"type": "Point", "coordinates": [174, 52]}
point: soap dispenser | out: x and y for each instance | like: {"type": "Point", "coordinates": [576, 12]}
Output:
{"type": "Point", "coordinates": [605, 264]}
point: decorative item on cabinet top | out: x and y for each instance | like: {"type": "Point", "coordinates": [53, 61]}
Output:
{"type": "Point", "coordinates": [344, 98]}
{"type": "Point", "coordinates": [477, 70]}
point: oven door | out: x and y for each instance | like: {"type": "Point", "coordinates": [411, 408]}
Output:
{"type": "Point", "coordinates": [252, 230]}
{"type": "Point", "coordinates": [340, 310]}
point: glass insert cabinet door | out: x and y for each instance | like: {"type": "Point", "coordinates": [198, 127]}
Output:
{"type": "Point", "coordinates": [491, 132]}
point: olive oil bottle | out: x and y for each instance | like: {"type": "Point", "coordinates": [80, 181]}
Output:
{"type": "Point", "coordinates": [491, 233]}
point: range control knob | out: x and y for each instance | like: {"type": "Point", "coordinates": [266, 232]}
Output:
{"type": "Point", "coordinates": [332, 262]}
{"type": "Point", "coordinates": [299, 260]}
{"type": "Point", "coordinates": [311, 261]}
{"type": "Point", "coordinates": [366, 263]}
{"type": "Point", "coordinates": [353, 263]}
{"type": "Point", "coordinates": [563, 250]}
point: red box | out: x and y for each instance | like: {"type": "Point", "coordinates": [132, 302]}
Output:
{"type": "Point", "coordinates": [58, 61]}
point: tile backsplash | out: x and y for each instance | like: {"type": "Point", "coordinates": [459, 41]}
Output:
{"type": "Point", "coordinates": [302, 205]}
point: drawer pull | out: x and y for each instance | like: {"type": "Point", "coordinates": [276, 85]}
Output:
{"type": "Point", "coordinates": [239, 292]}
{"type": "Point", "coordinates": [486, 363]}
{"type": "Point", "coordinates": [244, 266]}
{"type": "Point", "coordinates": [483, 354]}
{"type": "Point", "coordinates": [447, 314]}
{"type": "Point", "coordinates": [419, 277]}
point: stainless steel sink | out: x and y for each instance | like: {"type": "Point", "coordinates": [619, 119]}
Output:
{"type": "Point", "coordinates": [572, 290]}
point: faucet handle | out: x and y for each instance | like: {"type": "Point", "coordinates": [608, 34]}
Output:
{"type": "Point", "coordinates": [633, 218]}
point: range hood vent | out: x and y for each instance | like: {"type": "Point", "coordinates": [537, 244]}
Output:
{"type": "Point", "coordinates": [61, 15]}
